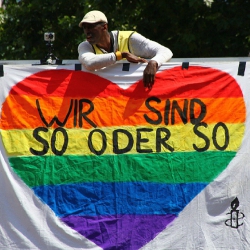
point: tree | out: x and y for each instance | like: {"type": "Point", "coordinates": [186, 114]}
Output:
{"type": "Point", "coordinates": [26, 22]}
{"type": "Point", "coordinates": [189, 28]}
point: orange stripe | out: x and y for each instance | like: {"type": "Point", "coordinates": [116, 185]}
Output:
{"type": "Point", "coordinates": [20, 112]}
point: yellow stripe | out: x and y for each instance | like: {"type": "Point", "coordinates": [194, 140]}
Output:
{"type": "Point", "coordinates": [182, 138]}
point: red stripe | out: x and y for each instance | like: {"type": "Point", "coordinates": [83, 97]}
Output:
{"type": "Point", "coordinates": [197, 82]}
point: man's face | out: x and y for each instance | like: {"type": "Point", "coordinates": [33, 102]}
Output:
{"type": "Point", "coordinates": [93, 31]}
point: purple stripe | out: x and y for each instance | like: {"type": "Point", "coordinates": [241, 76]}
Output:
{"type": "Point", "coordinates": [119, 231]}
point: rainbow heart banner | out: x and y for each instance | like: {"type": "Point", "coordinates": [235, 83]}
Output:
{"type": "Point", "coordinates": [93, 160]}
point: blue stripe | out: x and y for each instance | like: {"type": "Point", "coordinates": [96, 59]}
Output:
{"type": "Point", "coordinates": [98, 198]}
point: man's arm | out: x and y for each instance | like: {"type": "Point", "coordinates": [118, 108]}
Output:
{"type": "Point", "coordinates": [150, 70]}
{"type": "Point", "coordinates": [148, 49]}
{"type": "Point", "coordinates": [91, 61]}
{"type": "Point", "coordinates": [145, 48]}
{"type": "Point", "coordinates": [149, 74]}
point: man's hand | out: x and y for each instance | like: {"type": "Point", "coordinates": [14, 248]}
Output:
{"type": "Point", "coordinates": [132, 58]}
{"type": "Point", "coordinates": [149, 74]}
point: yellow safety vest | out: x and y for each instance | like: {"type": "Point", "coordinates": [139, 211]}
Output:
{"type": "Point", "coordinates": [123, 42]}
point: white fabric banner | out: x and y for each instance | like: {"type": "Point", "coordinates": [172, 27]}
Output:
{"type": "Point", "coordinates": [93, 160]}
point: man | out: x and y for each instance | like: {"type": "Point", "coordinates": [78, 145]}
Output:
{"type": "Point", "coordinates": [104, 48]}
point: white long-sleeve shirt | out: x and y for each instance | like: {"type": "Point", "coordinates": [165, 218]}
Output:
{"type": "Point", "coordinates": [139, 46]}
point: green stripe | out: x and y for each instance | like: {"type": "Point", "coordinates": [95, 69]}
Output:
{"type": "Point", "coordinates": [176, 167]}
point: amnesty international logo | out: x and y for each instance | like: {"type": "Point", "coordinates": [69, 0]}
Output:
{"type": "Point", "coordinates": [236, 217]}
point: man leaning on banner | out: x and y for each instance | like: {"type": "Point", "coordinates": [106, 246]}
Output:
{"type": "Point", "coordinates": [104, 48]}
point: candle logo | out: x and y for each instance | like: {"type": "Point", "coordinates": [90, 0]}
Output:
{"type": "Point", "coordinates": [235, 215]}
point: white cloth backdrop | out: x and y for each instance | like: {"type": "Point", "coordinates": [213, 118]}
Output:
{"type": "Point", "coordinates": [28, 223]}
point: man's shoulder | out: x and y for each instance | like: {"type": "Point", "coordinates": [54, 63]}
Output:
{"type": "Point", "coordinates": [126, 31]}
{"type": "Point", "coordinates": [85, 45]}
{"type": "Point", "coordinates": [116, 32]}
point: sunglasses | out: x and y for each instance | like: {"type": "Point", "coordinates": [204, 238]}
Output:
{"type": "Point", "coordinates": [91, 25]}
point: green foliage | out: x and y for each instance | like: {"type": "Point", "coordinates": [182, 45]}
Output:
{"type": "Point", "coordinates": [26, 22]}
{"type": "Point", "coordinates": [189, 28]}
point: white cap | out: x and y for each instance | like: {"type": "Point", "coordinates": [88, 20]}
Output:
{"type": "Point", "coordinates": [94, 16]}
